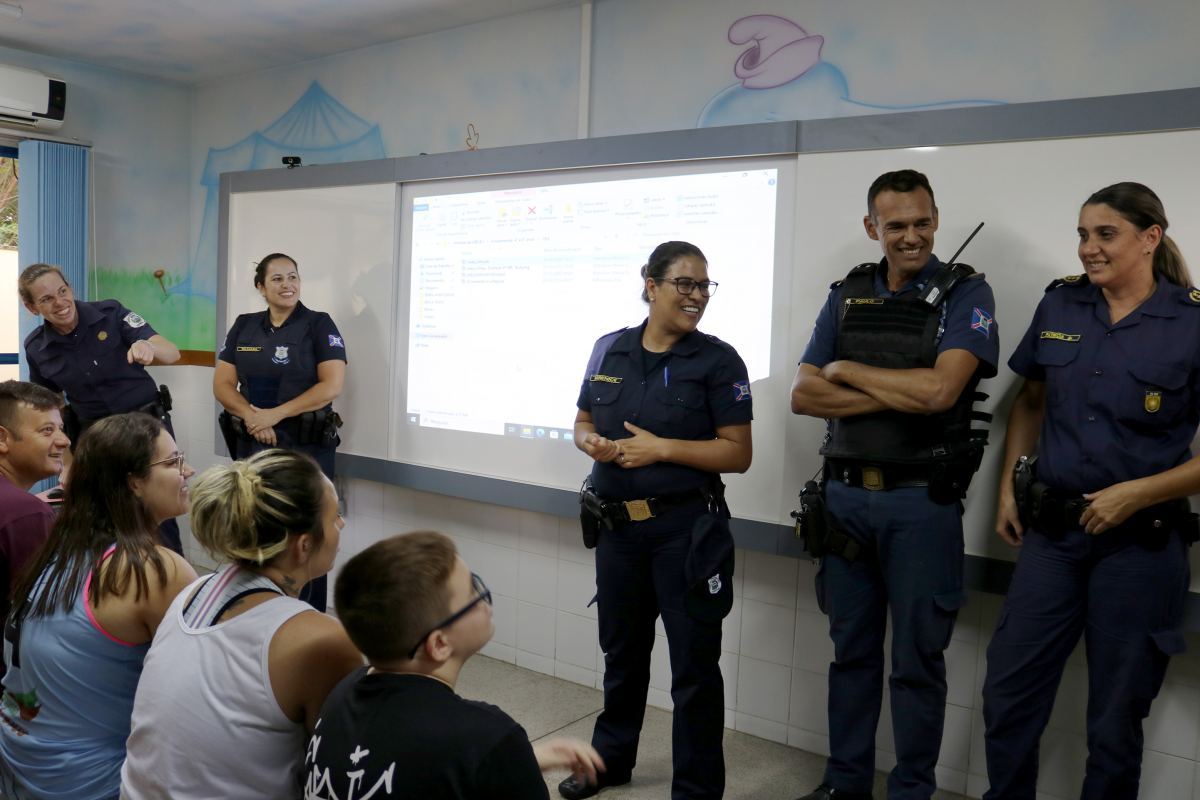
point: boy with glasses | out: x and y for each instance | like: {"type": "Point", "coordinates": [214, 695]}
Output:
{"type": "Point", "coordinates": [396, 729]}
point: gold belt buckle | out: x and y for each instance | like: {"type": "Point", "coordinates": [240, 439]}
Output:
{"type": "Point", "coordinates": [872, 478]}
{"type": "Point", "coordinates": [638, 510]}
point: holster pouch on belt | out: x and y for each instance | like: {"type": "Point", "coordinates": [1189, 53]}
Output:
{"type": "Point", "coordinates": [329, 434]}
{"type": "Point", "coordinates": [318, 427]}
{"type": "Point", "coordinates": [164, 399]}
{"type": "Point", "coordinates": [591, 514]}
{"type": "Point", "coordinates": [814, 526]}
{"type": "Point", "coordinates": [232, 429]}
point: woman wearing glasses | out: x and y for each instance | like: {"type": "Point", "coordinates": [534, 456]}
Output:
{"type": "Point", "coordinates": [91, 601]}
{"type": "Point", "coordinates": [663, 411]}
{"type": "Point", "coordinates": [257, 661]}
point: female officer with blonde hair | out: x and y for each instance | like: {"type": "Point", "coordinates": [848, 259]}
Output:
{"type": "Point", "coordinates": [258, 661]}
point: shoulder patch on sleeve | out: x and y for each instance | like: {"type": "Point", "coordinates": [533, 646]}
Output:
{"type": "Point", "coordinates": [1192, 298]}
{"type": "Point", "coordinates": [1068, 280]}
{"type": "Point", "coordinates": [133, 320]}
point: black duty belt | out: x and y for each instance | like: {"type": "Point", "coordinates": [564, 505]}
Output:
{"type": "Point", "coordinates": [1054, 511]}
{"type": "Point", "coordinates": [876, 477]}
{"type": "Point", "coordinates": [618, 512]}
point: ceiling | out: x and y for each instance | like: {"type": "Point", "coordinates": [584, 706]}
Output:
{"type": "Point", "coordinates": [196, 41]}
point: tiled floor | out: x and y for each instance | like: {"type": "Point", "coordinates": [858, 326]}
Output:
{"type": "Point", "coordinates": [549, 707]}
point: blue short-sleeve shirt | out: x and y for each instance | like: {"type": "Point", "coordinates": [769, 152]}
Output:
{"type": "Point", "coordinates": [968, 323]}
{"type": "Point", "coordinates": [1122, 401]}
{"type": "Point", "coordinates": [275, 365]}
{"type": "Point", "coordinates": [700, 386]}
{"type": "Point", "coordinates": [90, 364]}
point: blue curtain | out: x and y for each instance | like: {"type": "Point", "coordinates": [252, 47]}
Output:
{"type": "Point", "coordinates": [53, 216]}
{"type": "Point", "coordinates": [52, 223]}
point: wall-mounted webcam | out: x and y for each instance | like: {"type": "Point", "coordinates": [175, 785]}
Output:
{"type": "Point", "coordinates": [291, 161]}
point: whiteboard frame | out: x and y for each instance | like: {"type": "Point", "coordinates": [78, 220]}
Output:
{"type": "Point", "coordinates": [1147, 112]}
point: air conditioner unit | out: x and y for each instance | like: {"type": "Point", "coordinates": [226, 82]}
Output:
{"type": "Point", "coordinates": [29, 99]}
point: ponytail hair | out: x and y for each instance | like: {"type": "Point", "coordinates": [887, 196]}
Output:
{"type": "Point", "coordinates": [245, 511]}
{"type": "Point", "coordinates": [1139, 204]}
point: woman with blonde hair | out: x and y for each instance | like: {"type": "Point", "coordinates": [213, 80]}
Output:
{"type": "Point", "coordinates": [258, 661]}
{"type": "Point", "coordinates": [87, 607]}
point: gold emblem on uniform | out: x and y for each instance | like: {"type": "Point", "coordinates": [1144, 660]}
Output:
{"type": "Point", "coordinates": [604, 379]}
{"type": "Point", "coordinates": [1061, 337]}
{"type": "Point", "coordinates": [102, 335]}
{"type": "Point", "coordinates": [1071, 278]}
{"type": "Point", "coordinates": [1153, 400]}
{"type": "Point", "coordinates": [1194, 295]}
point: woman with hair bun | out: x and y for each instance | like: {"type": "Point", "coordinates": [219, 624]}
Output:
{"type": "Point", "coordinates": [258, 662]}
{"type": "Point", "coordinates": [88, 605]}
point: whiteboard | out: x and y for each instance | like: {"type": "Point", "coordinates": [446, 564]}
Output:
{"type": "Point", "coordinates": [348, 241]}
{"type": "Point", "coordinates": [343, 240]}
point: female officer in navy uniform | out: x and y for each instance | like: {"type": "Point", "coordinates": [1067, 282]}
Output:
{"type": "Point", "coordinates": [96, 354]}
{"type": "Point", "coordinates": [278, 372]}
{"type": "Point", "coordinates": [1112, 399]}
{"type": "Point", "coordinates": [663, 410]}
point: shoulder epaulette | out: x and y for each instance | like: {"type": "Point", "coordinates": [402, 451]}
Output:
{"type": "Point", "coordinates": [1069, 280]}
{"type": "Point", "coordinates": [866, 267]}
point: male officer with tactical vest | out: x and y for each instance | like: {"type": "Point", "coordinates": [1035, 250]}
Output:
{"type": "Point", "coordinates": [893, 364]}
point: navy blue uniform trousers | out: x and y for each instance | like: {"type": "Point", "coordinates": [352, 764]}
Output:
{"type": "Point", "coordinates": [639, 576]}
{"type": "Point", "coordinates": [912, 567]}
{"type": "Point", "coordinates": [1124, 592]}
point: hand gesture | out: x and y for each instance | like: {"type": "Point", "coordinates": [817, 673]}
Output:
{"type": "Point", "coordinates": [140, 352]}
{"type": "Point", "coordinates": [579, 757]}
{"type": "Point", "coordinates": [600, 448]}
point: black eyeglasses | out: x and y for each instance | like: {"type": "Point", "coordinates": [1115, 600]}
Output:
{"type": "Point", "coordinates": [686, 285]}
{"type": "Point", "coordinates": [482, 595]}
{"type": "Point", "coordinates": [175, 459]}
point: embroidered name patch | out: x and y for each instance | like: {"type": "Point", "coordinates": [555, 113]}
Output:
{"type": "Point", "coordinates": [604, 379]}
{"type": "Point", "coordinates": [863, 301]}
{"type": "Point", "coordinates": [1060, 337]}
{"type": "Point", "coordinates": [244, 349]}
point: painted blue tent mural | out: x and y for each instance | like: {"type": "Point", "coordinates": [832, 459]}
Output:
{"type": "Point", "coordinates": [317, 128]}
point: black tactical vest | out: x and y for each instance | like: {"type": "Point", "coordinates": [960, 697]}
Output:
{"type": "Point", "coordinates": [901, 333]}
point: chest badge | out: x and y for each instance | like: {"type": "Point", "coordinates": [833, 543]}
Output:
{"type": "Point", "coordinates": [281, 355]}
{"type": "Point", "coordinates": [102, 335]}
{"type": "Point", "coordinates": [1153, 400]}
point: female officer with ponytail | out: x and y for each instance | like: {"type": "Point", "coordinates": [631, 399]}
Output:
{"type": "Point", "coordinates": [277, 375]}
{"type": "Point", "coordinates": [1111, 400]}
{"type": "Point", "coordinates": [663, 411]}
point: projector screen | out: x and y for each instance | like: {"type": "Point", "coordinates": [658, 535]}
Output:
{"type": "Point", "coordinates": [511, 279]}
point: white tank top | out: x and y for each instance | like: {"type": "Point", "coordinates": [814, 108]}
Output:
{"type": "Point", "coordinates": [206, 722]}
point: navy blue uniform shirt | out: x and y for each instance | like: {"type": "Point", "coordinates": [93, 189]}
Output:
{"type": "Point", "coordinates": [968, 319]}
{"type": "Point", "coordinates": [1122, 401]}
{"type": "Point", "coordinates": [700, 386]}
{"type": "Point", "coordinates": [275, 365]}
{"type": "Point", "coordinates": [90, 364]}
